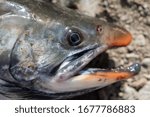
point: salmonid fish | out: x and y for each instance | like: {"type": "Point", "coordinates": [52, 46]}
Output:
{"type": "Point", "coordinates": [44, 51]}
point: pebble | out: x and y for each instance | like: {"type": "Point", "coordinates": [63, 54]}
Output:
{"type": "Point", "coordinates": [105, 3]}
{"type": "Point", "coordinates": [146, 62]}
{"type": "Point", "coordinates": [123, 18]}
{"type": "Point", "coordinates": [121, 94]}
{"type": "Point", "coordinates": [85, 5]}
{"type": "Point", "coordinates": [132, 55]}
{"type": "Point", "coordinates": [122, 50]}
{"type": "Point", "coordinates": [138, 84]}
{"type": "Point", "coordinates": [147, 76]}
{"type": "Point", "coordinates": [130, 49]}
{"type": "Point", "coordinates": [140, 40]}
{"type": "Point", "coordinates": [147, 21]}
{"type": "Point", "coordinates": [129, 92]}
{"type": "Point", "coordinates": [129, 21]}
{"type": "Point", "coordinates": [144, 93]}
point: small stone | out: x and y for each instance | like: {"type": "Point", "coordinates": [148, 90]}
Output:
{"type": "Point", "coordinates": [124, 18]}
{"type": "Point", "coordinates": [147, 76]}
{"type": "Point", "coordinates": [105, 3]}
{"type": "Point", "coordinates": [129, 93]}
{"type": "Point", "coordinates": [120, 94]}
{"type": "Point", "coordinates": [144, 93]}
{"type": "Point", "coordinates": [148, 21]}
{"type": "Point", "coordinates": [145, 6]}
{"type": "Point", "coordinates": [132, 55]}
{"type": "Point", "coordinates": [129, 21]}
{"type": "Point", "coordinates": [130, 80]}
{"type": "Point", "coordinates": [138, 84]}
{"type": "Point", "coordinates": [146, 62]}
{"type": "Point", "coordinates": [130, 49]}
{"type": "Point", "coordinates": [85, 5]}
{"type": "Point", "coordinates": [140, 40]}
{"type": "Point", "coordinates": [122, 50]}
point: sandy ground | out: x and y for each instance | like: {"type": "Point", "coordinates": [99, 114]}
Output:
{"type": "Point", "coordinates": [134, 15]}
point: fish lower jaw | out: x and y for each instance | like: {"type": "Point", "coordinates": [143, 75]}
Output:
{"type": "Point", "coordinates": [93, 78]}
{"type": "Point", "coordinates": [78, 83]}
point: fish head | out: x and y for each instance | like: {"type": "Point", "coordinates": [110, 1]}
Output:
{"type": "Point", "coordinates": [84, 41]}
{"type": "Point", "coordinates": [53, 56]}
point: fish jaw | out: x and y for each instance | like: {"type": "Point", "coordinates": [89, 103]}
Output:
{"type": "Point", "coordinates": [88, 78]}
{"type": "Point", "coordinates": [93, 78]}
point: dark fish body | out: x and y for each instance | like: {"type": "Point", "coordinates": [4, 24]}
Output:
{"type": "Point", "coordinates": [44, 49]}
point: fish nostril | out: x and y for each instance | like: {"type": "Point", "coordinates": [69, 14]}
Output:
{"type": "Point", "coordinates": [99, 28]}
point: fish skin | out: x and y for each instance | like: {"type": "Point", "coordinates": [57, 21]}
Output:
{"type": "Point", "coordinates": [32, 45]}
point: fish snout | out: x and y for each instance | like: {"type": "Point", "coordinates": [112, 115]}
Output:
{"type": "Point", "coordinates": [116, 36]}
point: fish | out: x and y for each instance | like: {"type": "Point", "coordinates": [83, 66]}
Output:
{"type": "Point", "coordinates": [45, 50]}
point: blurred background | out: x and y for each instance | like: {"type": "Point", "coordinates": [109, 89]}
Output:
{"type": "Point", "coordinates": [134, 15]}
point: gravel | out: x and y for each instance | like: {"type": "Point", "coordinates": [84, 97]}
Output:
{"type": "Point", "coordinates": [146, 62]}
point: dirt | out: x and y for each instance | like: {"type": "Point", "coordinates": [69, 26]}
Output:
{"type": "Point", "coordinates": [134, 15]}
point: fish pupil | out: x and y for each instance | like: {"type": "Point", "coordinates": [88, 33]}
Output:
{"type": "Point", "coordinates": [74, 39]}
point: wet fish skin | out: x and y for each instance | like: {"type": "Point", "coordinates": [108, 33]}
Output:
{"type": "Point", "coordinates": [33, 43]}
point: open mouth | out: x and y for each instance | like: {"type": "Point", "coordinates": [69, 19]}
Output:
{"type": "Point", "coordinates": [76, 73]}
{"type": "Point", "coordinates": [77, 62]}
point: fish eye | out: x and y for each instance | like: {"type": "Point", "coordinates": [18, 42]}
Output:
{"type": "Point", "coordinates": [74, 38]}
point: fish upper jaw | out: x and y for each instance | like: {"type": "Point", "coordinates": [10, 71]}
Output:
{"type": "Point", "coordinates": [73, 67]}
{"type": "Point", "coordinates": [116, 36]}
